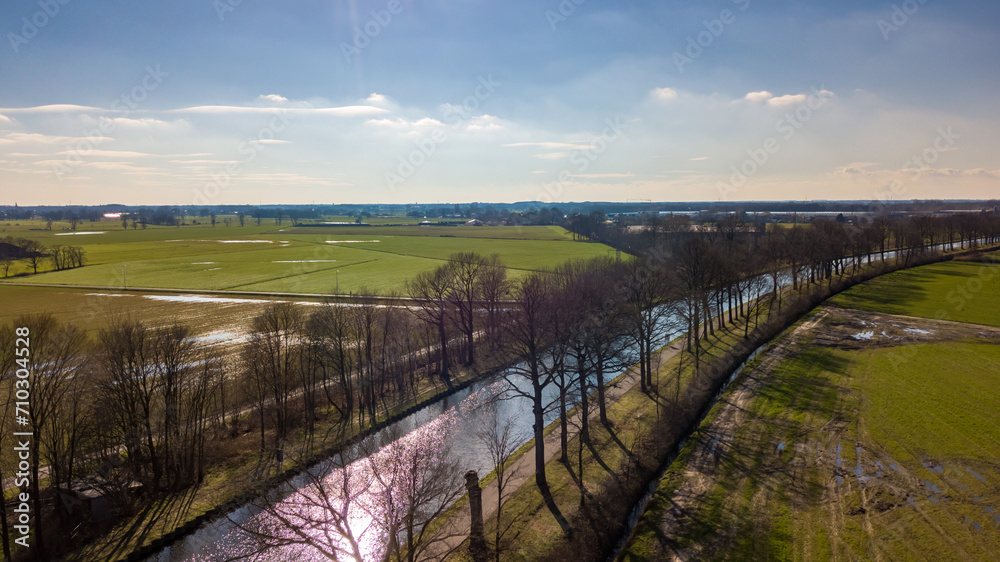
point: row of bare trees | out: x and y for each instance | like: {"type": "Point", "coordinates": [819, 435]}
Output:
{"type": "Point", "coordinates": [134, 408]}
{"type": "Point", "coordinates": [570, 327]}
{"type": "Point", "coordinates": [34, 254]}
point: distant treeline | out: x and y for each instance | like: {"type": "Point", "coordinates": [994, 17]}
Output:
{"type": "Point", "coordinates": [33, 254]}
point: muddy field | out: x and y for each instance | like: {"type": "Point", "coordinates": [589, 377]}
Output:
{"type": "Point", "coordinates": [858, 435]}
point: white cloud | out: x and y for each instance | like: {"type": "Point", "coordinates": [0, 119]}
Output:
{"type": "Point", "coordinates": [552, 155]}
{"type": "Point", "coordinates": [272, 98]}
{"type": "Point", "coordinates": [377, 99]}
{"type": "Point", "coordinates": [111, 153]}
{"type": "Point", "coordinates": [698, 158]}
{"type": "Point", "coordinates": [763, 95]}
{"type": "Point", "coordinates": [56, 108]}
{"type": "Point", "coordinates": [603, 176]}
{"type": "Point", "coordinates": [343, 111]}
{"type": "Point", "coordinates": [665, 94]}
{"type": "Point", "coordinates": [484, 123]}
{"type": "Point", "coordinates": [42, 139]}
{"type": "Point", "coordinates": [782, 101]}
{"type": "Point", "coordinates": [547, 145]}
{"type": "Point", "coordinates": [402, 124]}
{"type": "Point", "coordinates": [4, 119]}
{"type": "Point", "coordinates": [271, 141]}
{"type": "Point", "coordinates": [771, 100]}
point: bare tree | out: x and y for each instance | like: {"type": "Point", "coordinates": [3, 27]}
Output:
{"type": "Point", "coordinates": [329, 334]}
{"type": "Point", "coordinates": [467, 268]}
{"type": "Point", "coordinates": [380, 507]}
{"type": "Point", "coordinates": [7, 377]}
{"type": "Point", "coordinates": [501, 441]}
{"type": "Point", "coordinates": [57, 358]}
{"type": "Point", "coordinates": [271, 353]}
{"type": "Point", "coordinates": [433, 288]}
{"type": "Point", "coordinates": [494, 288]}
{"type": "Point", "coordinates": [526, 338]}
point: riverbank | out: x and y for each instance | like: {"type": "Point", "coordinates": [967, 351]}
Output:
{"type": "Point", "coordinates": [643, 436]}
{"type": "Point", "coordinates": [245, 475]}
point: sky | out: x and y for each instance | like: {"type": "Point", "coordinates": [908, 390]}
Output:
{"type": "Point", "coordinates": [200, 102]}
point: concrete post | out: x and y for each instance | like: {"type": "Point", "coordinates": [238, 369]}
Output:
{"type": "Point", "coordinates": [477, 540]}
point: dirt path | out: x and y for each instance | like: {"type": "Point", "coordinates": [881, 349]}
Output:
{"type": "Point", "coordinates": [700, 472]}
{"type": "Point", "coordinates": [456, 530]}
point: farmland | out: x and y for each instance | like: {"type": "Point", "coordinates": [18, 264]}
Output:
{"type": "Point", "coordinates": [308, 260]}
{"type": "Point", "coordinates": [963, 291]}
{"type": "Point", "coordinates": [291, 259]}
{"type": "Point", "coordinates": [863, 433]}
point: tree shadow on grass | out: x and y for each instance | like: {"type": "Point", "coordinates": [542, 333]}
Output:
{"type": "Point", "coordinates": [156, 519]}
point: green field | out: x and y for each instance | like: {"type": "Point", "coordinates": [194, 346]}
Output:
{"type": "Point", "coordinates": [869, 436]}
{"type": "Point", "coordinates": [958, 290]}
{"type": "Point", "coordinates": [316, 260]}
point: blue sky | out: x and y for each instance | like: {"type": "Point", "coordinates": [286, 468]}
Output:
{"type": "Point", "coordinates": [395, 101]}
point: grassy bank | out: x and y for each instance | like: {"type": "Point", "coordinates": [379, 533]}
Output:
{"type": "Point", "coordinates": [872, 438]}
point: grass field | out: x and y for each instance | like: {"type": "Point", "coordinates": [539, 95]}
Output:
{"type": "Point", "coordinates": [300, 259]}
{"type": "Point", "coordinates": [957, 290]}
{"type": "Point", "coordinates": [869, 436]}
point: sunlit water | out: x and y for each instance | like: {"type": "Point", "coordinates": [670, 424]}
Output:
{"type": "Point", "coordinates": [358, 483]}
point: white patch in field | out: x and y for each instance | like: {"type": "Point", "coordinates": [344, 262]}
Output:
{"type": "Point", "coordinates": [305, 261]}
{"type": "Point", "coordinates": [201, 299]}
{"type": "Point", "coordinates": [350, 241]}
{"type": "Point", "coordinates": [919, 331]}
{"type": "Point", "coordinates": [78, 233]}
{"type": "Point", "coordinates": [246, 241]}
{"type": "Point", "coordinates": [203, 263]}
{"type": "Point", "coordinates": [214, 269]}
{"type": "Point", "coordinates": [104, 295]}
{"type": "Point", "coordinates": [864, 335]}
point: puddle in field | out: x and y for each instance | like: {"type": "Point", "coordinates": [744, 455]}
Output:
{"type": "Point", "coordinates": [213, 269]}
{"type": "Point", "coordinates": [864, 335]}
{"type": "Point", "coordinates": [304, 261]}
{"type": "Point", "coordinates": [78, 233]}
{"type": "Point", "coordinates": [932, 467]}
{"type": "Point", "coordinates": [932, 487]}
{"type": "Point", "coordinates": [919, 331]}
{"type": "Point", "coordinates": [104, 295]}
{"type": "Point", "coordinates": [228, 241]}
{"type": "Point", "coordinates": [350, 241]}
{"type": "Point", "coordinates": [200, 299]}
{"type": "Point", "coordinates": [218, 338]}
{"type": "Point", "coordinates": [976, 475]}
{"type": "Point", "coordinates": [858, 471]}
{"type": "Point", "coordinates": [781, 446]}
{"type": "Point", "coordinates": [203, 263]}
